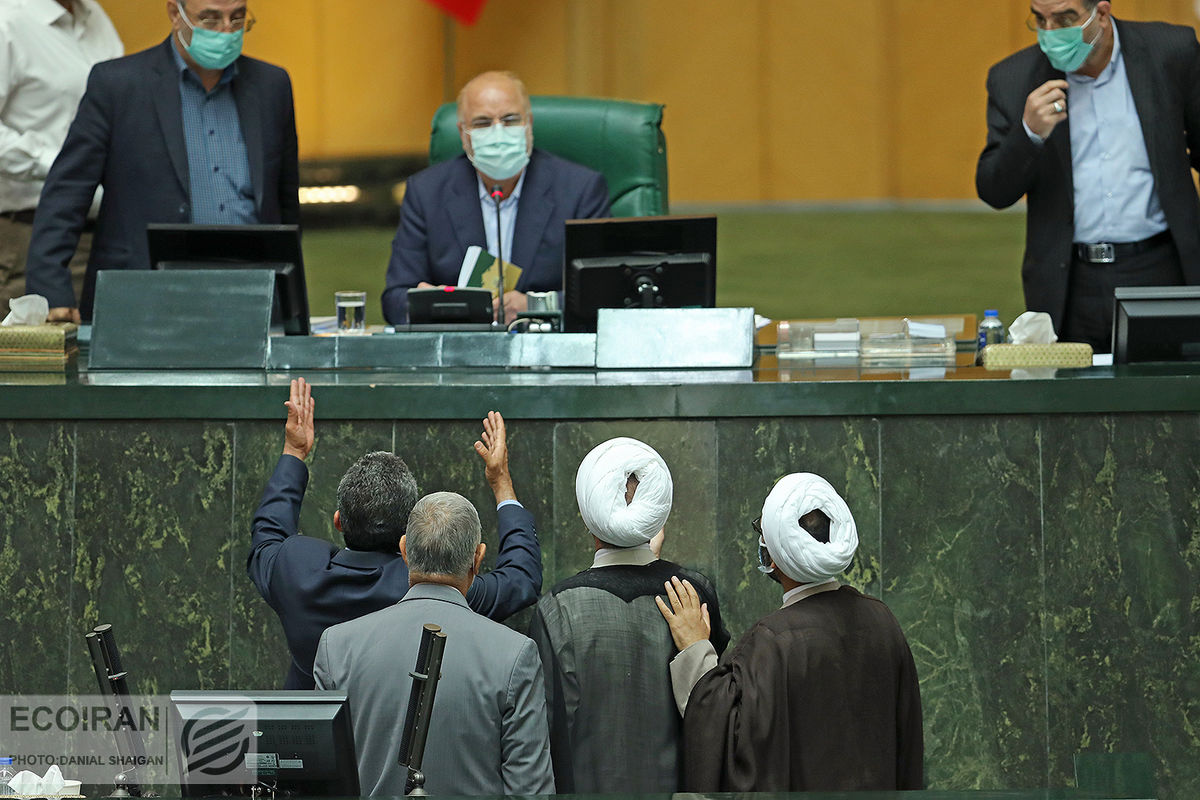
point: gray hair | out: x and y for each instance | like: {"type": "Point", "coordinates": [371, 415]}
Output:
{"type": "Point", "coordinates": [443, 532]}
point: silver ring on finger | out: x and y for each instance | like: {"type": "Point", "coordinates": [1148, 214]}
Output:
{"type": "Point", "coordinates": [1058, 107]}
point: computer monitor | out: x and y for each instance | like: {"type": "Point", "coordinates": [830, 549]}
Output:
{"type": "Point", "coordinates": [637, 262]}
{"type": "Point", "coordinates": [295, 741]}
{"type": "Point", "coordinates": [1156, 323]}
{"type": "Point", "coordinates": [273, 247]}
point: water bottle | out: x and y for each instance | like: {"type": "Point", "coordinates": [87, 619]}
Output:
{"type": "Point", "coordinates": [991, 331]}
{"type": "Point", "coordinates": [7, 773]}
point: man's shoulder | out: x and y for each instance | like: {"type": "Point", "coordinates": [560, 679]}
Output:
{"type": "Point", "coordinates": [629, 581]}
{"type": "Point", "coordinates": [259, 69]}
{"type": "Point", "coordinates": [136, 64]}
{"type": "Point", "coordinates": [561, 168]}
{"type": "Point", "coordinates": [1021, 62]}
{"type": "Point", "coordinates": [455, 170]}
{"type": "Point", "coordinates": [695, 576]}
{"type": "Point", "coordinates": [1157, 37]}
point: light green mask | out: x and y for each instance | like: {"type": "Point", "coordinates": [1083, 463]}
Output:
{"type": "Point", "coordinates": [211, 49]}
{"type": "Point", "coordinates": [1065, 47]}
{"type": "Point", "coordinates": [499, 150]}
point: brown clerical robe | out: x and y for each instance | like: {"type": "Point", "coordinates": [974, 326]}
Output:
{"type": "Point", "coordinates": [819, 695]}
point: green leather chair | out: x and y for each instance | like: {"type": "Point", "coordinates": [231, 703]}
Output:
{"type": "Point", "coordinates": [620, 139]}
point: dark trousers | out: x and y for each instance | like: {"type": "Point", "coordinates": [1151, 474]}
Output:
{"type": "Point", "coordinates": [1089, 316]}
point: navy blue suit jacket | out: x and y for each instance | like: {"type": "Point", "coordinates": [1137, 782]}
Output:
{"type": "Point", "coordinates": [128, 137]}
{"type": "Point", "coordinates": [313, 584]}
{"type": "Point", "coordinates": [441, 217]}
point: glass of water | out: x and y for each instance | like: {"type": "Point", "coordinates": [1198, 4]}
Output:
{"type": "Point", "coordinates": [351, 311]}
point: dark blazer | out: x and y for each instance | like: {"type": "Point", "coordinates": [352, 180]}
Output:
{"type": "Point", "coordinates": [128, 137]}
{"type": "Point", "coordinates": [313, 584]}
{"type": "Point", "coordinates": [1163, 65]}
{"type": "Point", "coordinates": [440, 218]}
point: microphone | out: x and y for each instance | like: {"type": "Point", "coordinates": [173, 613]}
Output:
{"type": "Point", "coordinates": [497, 196]}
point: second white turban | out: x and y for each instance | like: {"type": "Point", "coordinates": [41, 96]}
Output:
{"type": "Point", "coordinates": [794, 550]}
{"type": "Point", "coordinates": [600, 491]}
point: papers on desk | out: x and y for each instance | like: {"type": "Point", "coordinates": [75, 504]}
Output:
{"type": "Point", "coordinates": [480, 270]}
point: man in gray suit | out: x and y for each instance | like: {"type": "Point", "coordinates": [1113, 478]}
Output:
{"type": "Point", "coordinates": [488, 733]}
{"type": "Point", "coordinates": [1098, 126]}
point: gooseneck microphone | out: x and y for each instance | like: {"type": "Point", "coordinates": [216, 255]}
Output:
{"type": "Point", "coordinates": [497, 196]}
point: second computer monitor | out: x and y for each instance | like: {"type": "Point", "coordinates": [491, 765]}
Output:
{"type": "Point", "coordinates": [637, 262]}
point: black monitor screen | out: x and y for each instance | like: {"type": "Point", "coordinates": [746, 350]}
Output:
{"type": "Point", "coordinates": [638, 262]}
{"type": "Point", "coordinates": [1156, 323]}
{"type": "Point", "coordinates": [273, 247]}
{"type": "Point", "coordinates": [295, 741]}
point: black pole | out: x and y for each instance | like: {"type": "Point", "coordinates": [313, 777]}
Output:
{"type": "Point", "coordinates": [420, 706]}
{"type": "Point", "coordinates": [106, 661]}
{"type": "Point", "coordinates": [497, 195]}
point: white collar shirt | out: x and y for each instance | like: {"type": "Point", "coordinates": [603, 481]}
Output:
{"type": "Point", "coordinates": [46, 54]}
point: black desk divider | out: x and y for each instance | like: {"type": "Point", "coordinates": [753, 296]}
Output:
{"type": "Point", "coordinates": [186, 319]}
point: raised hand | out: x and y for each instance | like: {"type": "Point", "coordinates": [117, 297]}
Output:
{"type": "Point", "coordinates": [298, 432]}
{"type": "Point", "coordinates": [492, 447]}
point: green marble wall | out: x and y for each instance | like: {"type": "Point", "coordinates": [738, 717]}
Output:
{"type": "Point", "coordinates": [1044, 567]}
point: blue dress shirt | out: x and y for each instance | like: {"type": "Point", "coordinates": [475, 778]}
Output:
{"type": "Point", "coordinates": [218, 167]}
{"type": "Point", "coordinates": [1115, 198]}
{"type": "Point", "coordinates": [508, 217]}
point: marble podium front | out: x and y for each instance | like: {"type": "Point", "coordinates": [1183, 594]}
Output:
{"type": "Point", "coordinates": [1039, 541]}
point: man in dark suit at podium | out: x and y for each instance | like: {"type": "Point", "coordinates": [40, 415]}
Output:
{"type": "Point", "coordinates": [449, 207]}
{"type": "Point", "coordinates": [1098, 126]}
{"type": "Point", "coordinates": [313, 584]}
{"type": "Point", "coordinates": [187, 131]}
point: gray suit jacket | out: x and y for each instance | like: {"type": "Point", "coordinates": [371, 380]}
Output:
{"type": "Point", "coordinates": [1163, 65]}
{"type": "Point", "coordinates": [488, 733]}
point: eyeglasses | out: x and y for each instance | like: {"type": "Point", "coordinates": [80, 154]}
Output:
{"type": "Point", "coordinates": [1065, 19]}
{"type": "Point", "coordinates": [764, 556]}
{"type": "Point", "coordinates": [213, 21]}
{"type": "Point", "coordinates": [508, 121]}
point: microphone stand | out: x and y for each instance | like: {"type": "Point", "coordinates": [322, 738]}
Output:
{"type": "Point", "coordinates": [106, 661]}
{"type": "Point", "coordinates": [497, 196]}
{"type": "Point", "coordinates": [420, 707]}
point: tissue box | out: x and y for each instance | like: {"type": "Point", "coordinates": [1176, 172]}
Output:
{"type": "Point", "coordinates": [1058, 354]}
{"type": "Point", "coordinates": [35, 348]}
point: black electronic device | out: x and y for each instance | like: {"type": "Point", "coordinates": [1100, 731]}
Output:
{"type": "Point", "coordinates": [1156, 323]}
{"type": "Point", "coordinates": [272, 247]}
{"type": "Point", "coordinates": [111, 679]}
{"type": "Point", "coordinates": [637, 262]}
{"type": "Point", "coordinates": [422, 693]}
{"type": "Point", "coordinates": [264, 743]}
{"type": "Point", "coordinates": [449, 305]}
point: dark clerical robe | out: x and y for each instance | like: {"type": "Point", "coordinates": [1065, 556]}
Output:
{"type": "Point", "coordinates": [606, 651]}
{"type": "Point", "coordinates": [820, 695]}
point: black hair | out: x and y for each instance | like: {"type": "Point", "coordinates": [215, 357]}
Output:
{"type": "Point", "coordinates": [374, 499]}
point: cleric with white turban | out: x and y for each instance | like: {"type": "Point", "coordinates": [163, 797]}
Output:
{"type": "Point", "coordinates": [803, 558]}
{"type": "Point", "coordinates": [614, 723]}
{"type": "Point", "coordinates": [600, 487]}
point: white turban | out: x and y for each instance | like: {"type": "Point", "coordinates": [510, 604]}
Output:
{"type": "Point", "coordinates": [799, 555]}
{"type": "Point", "coordinates": [600, 490]}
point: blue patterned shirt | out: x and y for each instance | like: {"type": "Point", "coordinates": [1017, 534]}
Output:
{"type": "Point", "coordinates": [1115, 197]}
{"type": "Point", "coordinates": [218, 167]}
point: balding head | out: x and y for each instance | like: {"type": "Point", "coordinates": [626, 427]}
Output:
{"type": "Point", "coordinates": [488, 89]}
{"type": "Point", "coordinates": [495, 107]}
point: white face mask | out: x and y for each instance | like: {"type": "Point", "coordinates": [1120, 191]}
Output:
{"type": "Point", "coordinates": [499, 151]}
